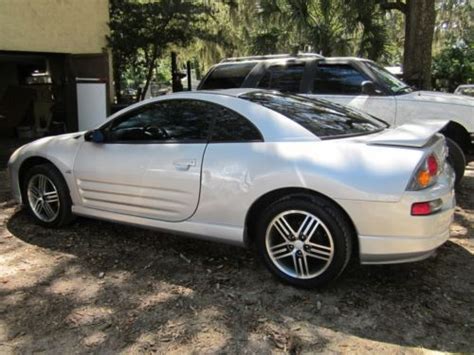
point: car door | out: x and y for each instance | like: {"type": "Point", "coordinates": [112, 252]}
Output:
{"type": "Point", "coordinates": [149, 164]}
{"type": "Point", "coordinates": [342, 83]}
{"type": "Point", "coordinates": [233, 154]}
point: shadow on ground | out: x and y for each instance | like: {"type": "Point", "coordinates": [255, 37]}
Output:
{"type": "Point", "coordinates": [97, 286]}
{"type": "Point", "coordinates": [115, 288]}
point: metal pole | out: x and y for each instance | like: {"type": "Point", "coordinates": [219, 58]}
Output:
{"type": "Point", "coordinates": [188, 72]}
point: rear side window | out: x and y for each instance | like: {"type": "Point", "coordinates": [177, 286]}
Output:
{"type": "Point", "coordinates": [336, 79]}
{"type": "Point", "coordinates": [227, 76]}
{"type": "Point", "coordinates": [188, 120]}
{"type": "Point", "coordinates": [285, 78]}
{"type": "Point", "coordinates": [229, 126]}
{"type": "Point", "coordinates": [322, 118]}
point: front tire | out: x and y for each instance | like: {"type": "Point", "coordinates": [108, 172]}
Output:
{"type": "Point", "coordinates": [46, 196]}
{"type": "Point", "coordinates": [305, 241]}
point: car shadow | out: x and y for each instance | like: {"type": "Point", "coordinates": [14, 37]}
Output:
{"type": "Point", "coordinates": [132, 284]}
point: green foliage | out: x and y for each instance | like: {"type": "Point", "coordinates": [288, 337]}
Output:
{"type": "Point", "coordinates": [371, 35]}
{"type": "Point", "coordinates": [329, 27]}
{"type": "Point", "coordinates": [453, 20]}
{"type": "Point", "coordinates": [205, 31]}
{"type": "Point", "coordinates": [454, 65]}
{"type": "Point", "coordinates": [306, 25]}
{"type": "Point", "coordinates": [265, 42]}
{"type": "Point", "coordinates": [163, 71]}
{"type": "Point", "coordinates": [141, 32]}
{"type": "Point", "coordinates": [394, 30]}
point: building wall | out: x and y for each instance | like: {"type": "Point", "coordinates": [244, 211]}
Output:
{"type": "Point", "coordinates": [60, 26]}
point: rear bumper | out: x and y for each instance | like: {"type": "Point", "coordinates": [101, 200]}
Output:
{"type": "Point", "coordinates": [388, 233]}
{"type": "Point", "coordinates": [394, 250]}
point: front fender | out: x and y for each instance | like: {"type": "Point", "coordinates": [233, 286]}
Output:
{"type": "Point", "coordinates": [58, 150]}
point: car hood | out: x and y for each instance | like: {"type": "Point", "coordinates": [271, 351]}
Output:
{"type": "Point", "coordinates": [439, 97]}
{"type": "Point", "coordinates": [42, 146]}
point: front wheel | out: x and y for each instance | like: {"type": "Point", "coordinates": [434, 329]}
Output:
{"type": "Point", "coordinates": [306, 242]}
{"type": "Point", "coordinates": [47, 196]}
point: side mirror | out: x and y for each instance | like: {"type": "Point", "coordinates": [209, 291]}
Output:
{"type": "Point", "coordinates": [368, 88]}
{"type": "Point", "coordinates": [95, 136]}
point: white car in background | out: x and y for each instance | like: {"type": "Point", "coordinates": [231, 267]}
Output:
{"type": "Point", "coordinates": [309, 183]}
{"type": "Point", "coordinates": [467, 89]}
{"type": "Point", "coordinates": [355, 82]}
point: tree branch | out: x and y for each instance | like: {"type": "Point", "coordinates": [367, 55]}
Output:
{"type": "Point", "coordinates": [150, 67]}
{"type": "Point", "coordinates": [396, 5]}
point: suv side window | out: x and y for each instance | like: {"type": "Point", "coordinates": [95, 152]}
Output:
{"type": "Point", "coordinates": [227, 76]}
{"type": "Point", "coordinates": [286, 78]}
{"type": "Point", "coordinates": [340, 79]}
{"type": "Point", "coordinates": [229, 126]}
{"type": "Point", "coordinates": [172, 121]}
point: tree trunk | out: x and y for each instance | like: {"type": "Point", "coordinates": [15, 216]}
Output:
{"type": "Point", "coordinates": [175, 77]}
{"type": "Point", "coordinates": [117, 85]}
{"type": "Point", "coordinates": [117, 70]}
{"type": "Point", "coordinates": [419, 28]}
{"type": "Point", "coordinates": [149, 75]}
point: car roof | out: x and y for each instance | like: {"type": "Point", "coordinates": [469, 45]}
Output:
{"type": "Point", "coordinates": [358, 59]}
{"type": "Point", "coordinates": [287, 57]}
{"type": "Point", "coordinates": [257, 58]}
{"type": "Point", "coordinates": [227, 92]}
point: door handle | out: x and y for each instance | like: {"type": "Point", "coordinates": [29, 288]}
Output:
{"type": "Point", "coordinates": [184, 164]}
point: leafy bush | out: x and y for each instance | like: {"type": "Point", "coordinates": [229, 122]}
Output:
{"type": "Point", "coordinates": [454, 66]}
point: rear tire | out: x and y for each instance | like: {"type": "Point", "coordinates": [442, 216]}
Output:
{"type": "Point", "coordinates": [305, 241]}
{"type": "Point", "coordinates": [46, 195]}
{"type": "Point", "coordinates": [456, 159]}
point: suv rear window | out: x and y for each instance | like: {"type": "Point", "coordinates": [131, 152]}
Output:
{"type": "Point", "coordinates": [227, 76]}
{"type": "Point", "coordinates": [322, 118]}
{"type": "Point", "coordinates": [285, 78]}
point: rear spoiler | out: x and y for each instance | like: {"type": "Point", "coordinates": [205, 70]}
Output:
{"type": "Point", "coordinates": [409, 134]}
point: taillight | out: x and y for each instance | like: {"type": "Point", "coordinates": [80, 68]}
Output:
{"type": "Point", "coordinates": [426, 174]}
{"type": "Point", "coordinates": [426, 208]}
{"type": "Point", "coordinates": [432, 165]}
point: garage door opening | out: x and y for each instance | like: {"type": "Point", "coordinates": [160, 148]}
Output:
{"type": "Point", "coordinates": [32, 95]}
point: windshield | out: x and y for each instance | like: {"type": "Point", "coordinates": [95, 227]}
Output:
{"type": "Point", "coordinates": [322, 118]}
{"type": "Point", "coordinates": [396, 85]}
{"type": "Point", "coordinates": [465, 91]}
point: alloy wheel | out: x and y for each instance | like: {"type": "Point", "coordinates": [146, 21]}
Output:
{"type": "Point", "coordinates": [43, 198]}
{"type": "Point", "coordinates": [299, 244]}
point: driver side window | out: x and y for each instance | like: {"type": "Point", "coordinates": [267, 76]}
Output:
{"type": "Point", "coordinates": [337, 79]}
{"type": "Point", "coordinates": [140, 125]}
{"type": "Point", "coordinates": [165, 121]}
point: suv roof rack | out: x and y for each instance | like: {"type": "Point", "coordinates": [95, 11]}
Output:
{"type": "Point", "coordinates": [272, 56]}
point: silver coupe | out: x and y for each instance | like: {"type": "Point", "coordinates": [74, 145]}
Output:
{"type": "Point", "coordinates": [309, 183]}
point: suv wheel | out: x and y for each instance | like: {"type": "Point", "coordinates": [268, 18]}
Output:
{"type": "Point", "coordinates": [456, 159]}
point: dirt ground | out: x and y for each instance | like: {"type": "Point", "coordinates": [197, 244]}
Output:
{"type": "Point", "coordinates": [105, 288]}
